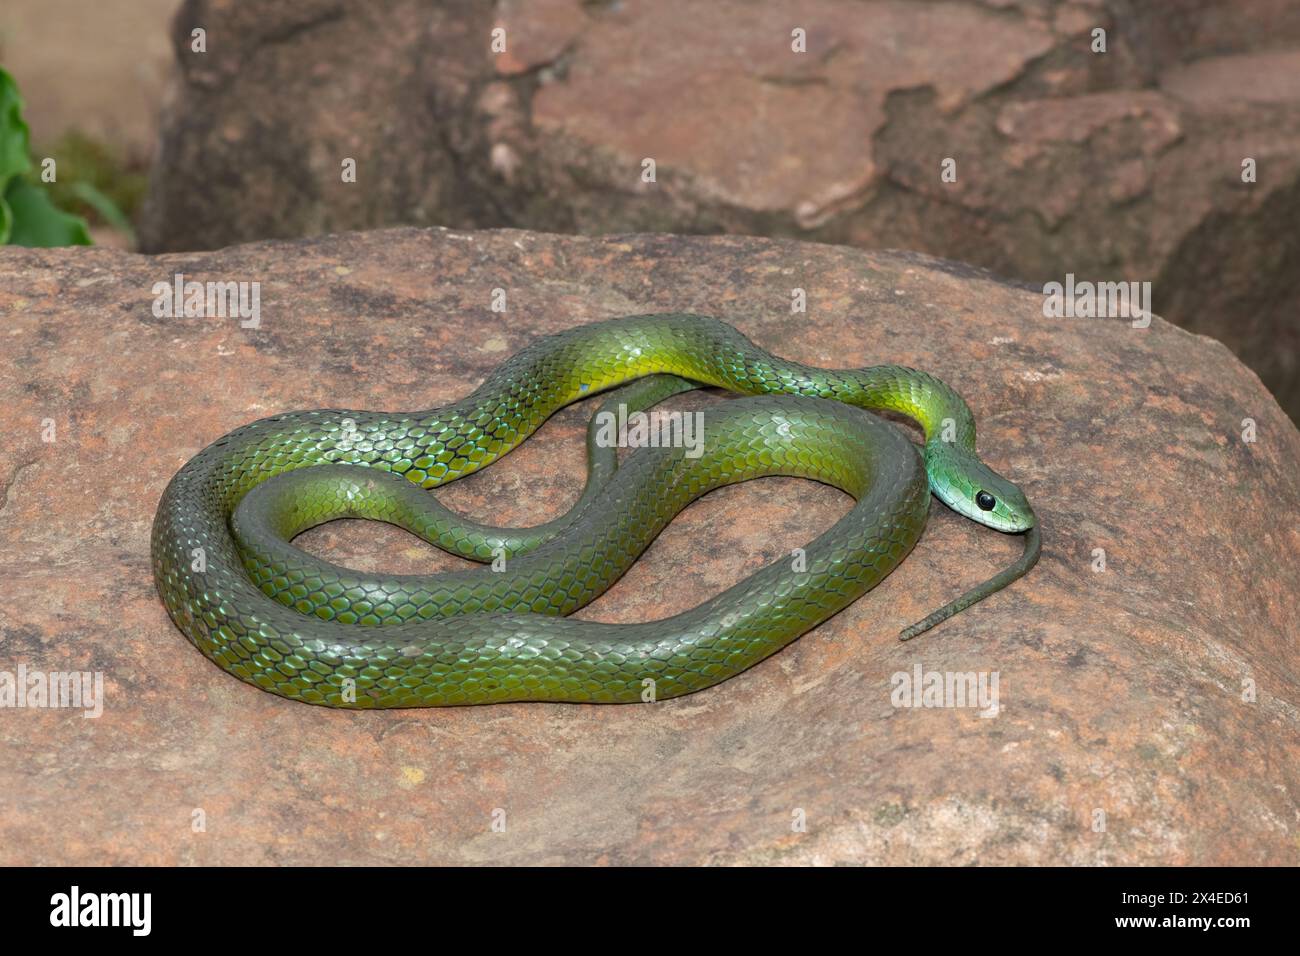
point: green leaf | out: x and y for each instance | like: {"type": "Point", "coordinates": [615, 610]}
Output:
{"type": "Point", "coordinates": [37, 223]}
{"type": "Point", "coordinates": [14, 147]}
{"type": "Point", "coordinates": [104, 207]}
{"type": "Point", "coordinates": [27, 217]}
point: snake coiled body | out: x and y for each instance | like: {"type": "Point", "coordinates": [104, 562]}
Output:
{"type": "Point", "coordinates": [309, 630]}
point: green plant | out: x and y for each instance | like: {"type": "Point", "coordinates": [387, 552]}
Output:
{"type": "Point", "coordinates": [96, 181]}
{"type": "Point", "coordinates": [27, 217]}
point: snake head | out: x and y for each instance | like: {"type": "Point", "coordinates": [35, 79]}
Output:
{"type": "Point", "coordinates": [971, 488]}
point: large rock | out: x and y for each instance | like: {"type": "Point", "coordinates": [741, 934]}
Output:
{"type": "Point", "coordinates": [1125, 165]}
{"type": "Point", "coordinates": [1148, 711]}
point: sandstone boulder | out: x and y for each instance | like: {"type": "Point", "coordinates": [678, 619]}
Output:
{"type": "Point", "coordinates": [1148, 689]}
{"type": "Point", "coordinates": [1123, 165]}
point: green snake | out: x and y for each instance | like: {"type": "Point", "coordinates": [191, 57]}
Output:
{"type": "Point", "coordinates": [303, 628]}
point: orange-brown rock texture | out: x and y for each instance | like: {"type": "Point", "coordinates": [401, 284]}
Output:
{"type": "Point", "coordinates": [1148, 697]}
{"type": "Point", "coordinates": [1125, 164]}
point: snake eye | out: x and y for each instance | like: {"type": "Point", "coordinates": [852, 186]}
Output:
{"type": "Point", "coordinates": [986, 501]}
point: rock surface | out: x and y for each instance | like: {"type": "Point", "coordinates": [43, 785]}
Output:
{"type": "Point", "coordinates": [1124, 165]}
{"type": "Point", "coordinates": [1149, 713]}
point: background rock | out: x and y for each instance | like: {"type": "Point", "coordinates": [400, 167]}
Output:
{"type": "Point", "coordinates": [1119, 166]}
{"type": "Point", "coordinates": [1122, 691]}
